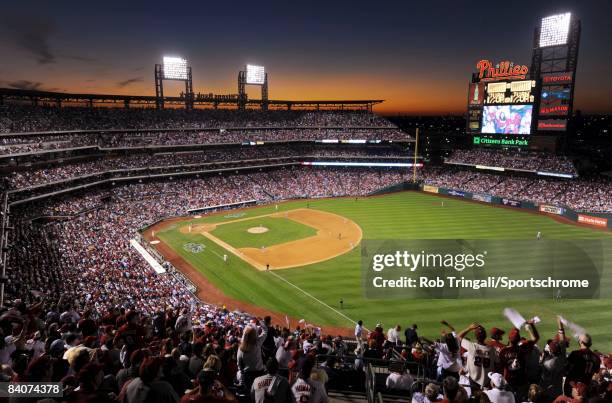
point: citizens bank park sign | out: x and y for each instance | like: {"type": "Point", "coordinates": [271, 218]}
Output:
{"type": "Point", "coordinates": [505, 70]}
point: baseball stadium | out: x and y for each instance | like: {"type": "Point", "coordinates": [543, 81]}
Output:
{"type": "Point", "coordinates": [189, 246]}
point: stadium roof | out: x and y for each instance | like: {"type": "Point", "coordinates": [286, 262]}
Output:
{"type": "Point", "coordinates": [206, 100]}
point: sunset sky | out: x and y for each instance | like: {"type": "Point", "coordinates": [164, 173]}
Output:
{"type": "Point", "coordinates": [418, 56]}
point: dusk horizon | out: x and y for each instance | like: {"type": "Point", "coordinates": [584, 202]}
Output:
{"type": "Point", "coordinates": [418, 58]}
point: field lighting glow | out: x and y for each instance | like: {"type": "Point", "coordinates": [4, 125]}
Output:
{"type": "Point", "coordinates": [255, 74]}
{"type": "Point", "coordinates": [555, 29]}
{"type": "Point", "coordinates": [175, 68]}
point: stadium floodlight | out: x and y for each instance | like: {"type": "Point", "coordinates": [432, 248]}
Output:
{"type": "Point", "coordinates": [255, 74]}
{"type": "Point", "coordinates": [555, 29]}
{"type": "Point", "coordinates": [175, 68]}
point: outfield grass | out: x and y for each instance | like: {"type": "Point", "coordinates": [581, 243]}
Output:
{"type": "Point", "coordinates": [280, 230]}
{"type": "Point", "coordinates": [407, 215]}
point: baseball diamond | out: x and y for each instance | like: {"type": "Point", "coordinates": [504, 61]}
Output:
{"type": "Point", "coordinates": [409, 215]}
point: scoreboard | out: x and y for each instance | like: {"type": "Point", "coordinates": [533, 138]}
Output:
{"type": "Point", "coordinates": [510, 92]}
{"type": "Point", "coordinates": [509, 102]}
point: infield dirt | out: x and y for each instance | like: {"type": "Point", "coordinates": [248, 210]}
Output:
{"type": "Point", "coordinates": [335, 236]}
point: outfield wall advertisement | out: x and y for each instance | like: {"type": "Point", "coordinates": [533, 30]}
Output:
{"type": "Point", "coordinates": [430, 189]}
{"type": "Point", "coordinates": [597, 221]}
{"type": "Point", "coordinates": [544, 208]}
{"type": "Point", "coordinates": [510, 202]}
{"type": "Point", "coordinates": [481, 198]}
{"type": "Point", "coordinates": [594, 219]}
{"type": "Point", "coordinates": [457, 193]}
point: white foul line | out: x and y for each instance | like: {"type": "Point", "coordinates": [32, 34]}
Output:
{"type": "Point", "coordinates": [315, 298]}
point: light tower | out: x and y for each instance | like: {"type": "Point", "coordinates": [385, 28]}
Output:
{"type": "Point", "coordinates": [252, 75]}
{"type": "Point", "coordinates": [174, 69]}
{"type": "Point", "coordinates": [555, 57]}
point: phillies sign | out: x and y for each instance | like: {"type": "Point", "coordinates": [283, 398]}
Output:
{"type": "Point", "coordinates": [501, 71]}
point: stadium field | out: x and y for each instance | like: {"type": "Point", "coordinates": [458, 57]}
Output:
{"type": "Point", "coordinates": [313, 291]}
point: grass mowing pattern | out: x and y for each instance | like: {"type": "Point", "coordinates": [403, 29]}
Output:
{"type": "Point", "coordinates": [280, 230]}
{"type": "Point", "coordinates": [408, 215]}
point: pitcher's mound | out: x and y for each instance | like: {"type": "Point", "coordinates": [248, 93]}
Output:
{"type": "Point", "coordinates": [257, 230]}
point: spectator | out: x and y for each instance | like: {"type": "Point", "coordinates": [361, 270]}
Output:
{"type": "Point", "coordinates": [305, 390]}
{"type": "Point", "coordinates": [513, 359]}
{"type": "Point", "coordinates": [148, 386]}
{"type": "Point", "coordinates": [453, 392]}
{"type": "Point", "coordinates": [579, 393]}
{"type": "Point", "coordinates": [398, 379]}
{"type": "Point", "coordinates": [496, 339]}
{"type": "Point", "coordinates": [430, 395]}
{"type": "Point", "coordinates": [498, 393]}
{"type": "Point", "coordinates": [411, 335]}
{"type": "Point", "coordinates": [583, 363]}
{"type": "Point", "coordinates": [393, 335]}
{"type": "Point", "coordinates": [250, 354]}
{"type": "Point", "coordinates": [481, 358]}
{"type": "Point", "coordinates": [271, 387]}
{"type": "Point", "coordinates": [449, 359]}
{"type": "Point", "coordinates": [359, 330]}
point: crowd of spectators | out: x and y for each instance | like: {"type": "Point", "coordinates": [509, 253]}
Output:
{"type": "Point", "coordinates": [482, 182]}
{"type": "Point", "coordinates": [443, 177]}
{"type": "Point", "coordinates": [21, 119]}
{"type": "Point", "coordinates": [66, 170]}
{"type": "Point", "coordinates": [598, 195]}
{"type": "Point", "coordinates": [594, 195]}
{"type": "Point", "coordinates": [137, 127]}
{"type": "Point", "coordinates": [28, 144]}
{"type": "Point", "coordinates": [515, 159]}
{"type": "Point", "coordinates": [478, 365]}
{"type": "Point", "coordinates": [110, 344]}
{"type": "Point", "coordinates": [591, 195]}
{"type": "Point", "coordinates": [117, 319]}
{"type": "Point", "coordinates": [94, 247]}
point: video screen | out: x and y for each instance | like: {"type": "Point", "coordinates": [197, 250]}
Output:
{"type": "Point", "coordinates": [507, 119]}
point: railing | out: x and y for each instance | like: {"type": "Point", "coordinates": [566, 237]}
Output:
{"type": "Point", "coordinates": [4, 245]}
{"type": "Point", "coordinates": [97, 141]}
{"type": "Point", "coordinates": [108, 179]}
{"type": "Point", "coordinates": [370, 383]}
{"type": "Point", "coordinates": [170, 269]}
